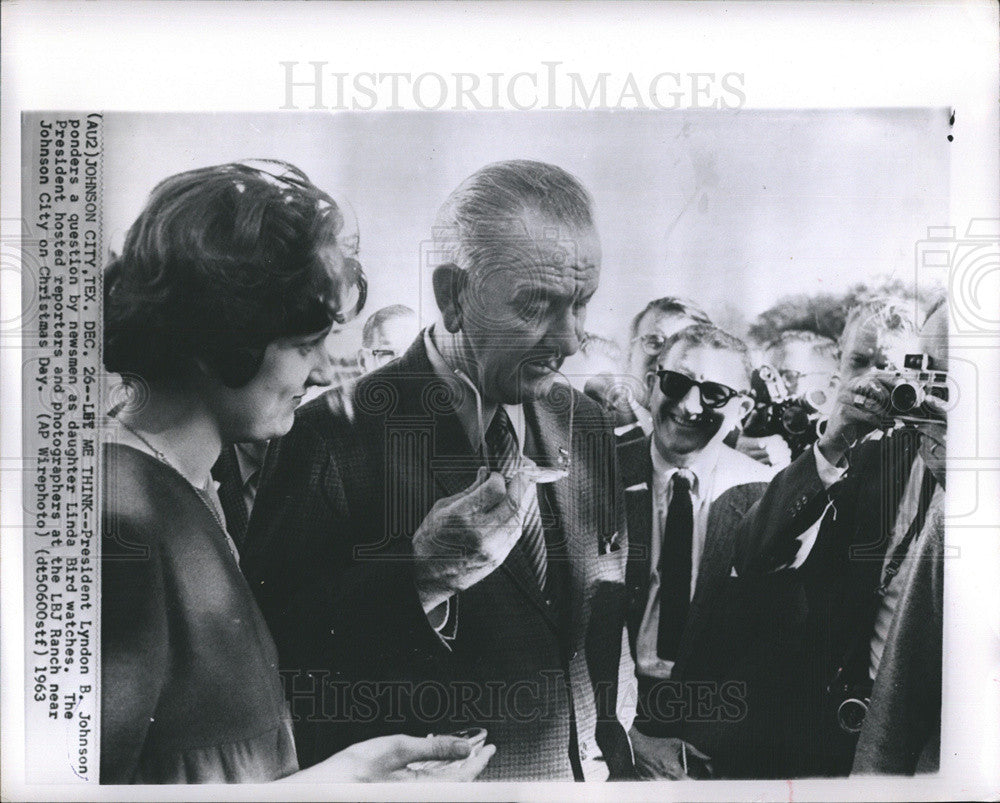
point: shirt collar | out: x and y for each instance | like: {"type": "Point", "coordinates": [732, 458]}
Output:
{"type": "Point", "coordinates": [249, 459]}
{"type": "Point", "coordinates": [465, 408]}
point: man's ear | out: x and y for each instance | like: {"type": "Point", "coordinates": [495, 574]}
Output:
{"type": "Point", "coordinates": [449, 282]}
{"type": "Point", "coordinates": [746, 405]}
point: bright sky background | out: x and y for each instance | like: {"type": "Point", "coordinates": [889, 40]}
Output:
{"type": "Point", "coordinates": [731, 209]}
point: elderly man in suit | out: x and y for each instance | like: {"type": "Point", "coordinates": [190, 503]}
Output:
{"type": "Point", "coordinates": [414, 574]}
{"type": "Point", "coordinates": [820, 556]}
{"type": "Point", "coordinates": [685, 493]}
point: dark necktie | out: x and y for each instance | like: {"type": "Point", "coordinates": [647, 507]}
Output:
{"type": "Point", "coordinates": [505, 457]}
{"type": "Point", "coordinates": [675, 568]}
{"type": "Point", "coordinates": [226, 472]}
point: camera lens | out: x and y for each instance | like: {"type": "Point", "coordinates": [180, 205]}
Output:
{"type": "Point", "coordinates": [904, 397]}
{"type": "Point", "coordinates": [851, 714]}
{"type": "Point", "coordinates": [795, 420]}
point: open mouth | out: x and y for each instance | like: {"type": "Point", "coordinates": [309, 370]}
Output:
{"type": "Point", "coordinates": [686, 423]}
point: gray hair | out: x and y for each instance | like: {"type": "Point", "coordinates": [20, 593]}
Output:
{"type": "Point", "coordinates": [821, 345]}
{"type": "Point", "coordinates": [487, 209]}
{"type": "Point", "coordinates": [670, 305]}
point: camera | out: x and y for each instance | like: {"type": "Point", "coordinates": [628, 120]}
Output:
{"type": "Point", "coordinates": [776, 412]}
{"type": "Point", "coordinates": [909, 387]}
{"type": "Point", "coordinates": [852, 701]}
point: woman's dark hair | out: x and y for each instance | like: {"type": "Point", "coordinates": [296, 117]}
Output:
{"type": "Point", "coordinates": [222, 261]}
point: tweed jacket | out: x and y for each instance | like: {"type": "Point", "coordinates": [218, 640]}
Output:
{"type": "Point", "coordinates": [329, 555]}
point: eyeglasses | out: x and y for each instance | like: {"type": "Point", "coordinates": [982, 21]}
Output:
{"type": "Point", "coordinates": [676, 386]}
{"type": "Point", "coordinates": [652, 344]}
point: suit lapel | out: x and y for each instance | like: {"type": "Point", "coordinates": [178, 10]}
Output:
{"type": "Point", "coordinates": [716, 560]}
{"type": "Point", "coordinates": [636, 467]}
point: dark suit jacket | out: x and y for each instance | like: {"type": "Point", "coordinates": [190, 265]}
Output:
{"type": "Point", "coordinates": [805, 620]}
{"type": "Point", "coordinates": [329, 555]}
{"type": "Point", "coordinates": [711, 639]}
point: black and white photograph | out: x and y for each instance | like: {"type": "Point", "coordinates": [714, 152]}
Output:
{"type": "Point", "coordinates": [471, 431]}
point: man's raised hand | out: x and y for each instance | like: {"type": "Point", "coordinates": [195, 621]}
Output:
{"type": "Point", "coordinates": [465, 537]}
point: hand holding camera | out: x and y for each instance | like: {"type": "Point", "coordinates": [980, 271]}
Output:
{"type": "Point", "coordinates": [915, 395]}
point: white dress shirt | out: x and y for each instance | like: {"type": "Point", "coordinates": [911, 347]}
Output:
{"type": "Point", "coordinates": [703, 471]}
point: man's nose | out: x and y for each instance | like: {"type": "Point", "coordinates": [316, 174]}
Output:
{"type": "Point", "coordinates": [691, 401]}
{"type": "Point", "coordinates": [566, 333]}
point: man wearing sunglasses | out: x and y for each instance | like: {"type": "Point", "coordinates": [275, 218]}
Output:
{"type": "Point", "coordinates": [685, 493]}
{"type": "Point", "coordinates": [650, 329]}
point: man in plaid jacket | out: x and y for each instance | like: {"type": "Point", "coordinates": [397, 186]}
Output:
{"type": "Point", "coordinates": [407, 587]}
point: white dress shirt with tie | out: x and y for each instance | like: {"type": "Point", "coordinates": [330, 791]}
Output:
{"type": "Point", "coordinates": [703, 475]}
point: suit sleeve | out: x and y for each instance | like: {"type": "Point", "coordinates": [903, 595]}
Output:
{"type": "Point", "coordinates": [607, 625]}
{"type": "Point", "coordinates": [325, 592]}
{"type": "Point", "coordinates": [769, 535]}
{"type": "Point", "coordinates": [134, 659]}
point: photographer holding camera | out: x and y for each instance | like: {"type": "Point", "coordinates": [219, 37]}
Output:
{"type": "Point", "coordinates": [823, 558]}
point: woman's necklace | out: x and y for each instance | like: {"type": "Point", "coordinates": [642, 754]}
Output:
{"type": "Point", "coordinates": [200, 493]}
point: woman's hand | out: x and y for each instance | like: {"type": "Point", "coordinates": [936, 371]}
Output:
{"type": "Point", "coordinates": [386, 758]}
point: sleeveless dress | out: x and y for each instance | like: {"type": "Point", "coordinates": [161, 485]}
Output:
{"type": "Point", "coordinates": [190, 691]}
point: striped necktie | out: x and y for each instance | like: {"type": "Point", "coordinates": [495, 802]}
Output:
{"type": "Point", "coordinates": [505, 457]}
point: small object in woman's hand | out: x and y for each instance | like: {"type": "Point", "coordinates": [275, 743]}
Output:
{"type": "Point", "coordinates": [476, 737]}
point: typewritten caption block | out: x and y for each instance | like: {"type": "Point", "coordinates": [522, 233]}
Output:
{"type": "Point", "coordinates": [61, 269]}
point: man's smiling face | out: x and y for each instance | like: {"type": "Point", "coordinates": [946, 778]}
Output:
{"type": "Point", "coordinates": [685, 426]}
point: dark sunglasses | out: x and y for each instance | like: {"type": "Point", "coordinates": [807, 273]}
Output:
{"type": "Point", "coordinates": [676, 386]}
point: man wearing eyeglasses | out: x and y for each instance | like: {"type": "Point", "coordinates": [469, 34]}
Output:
{"type": "Point", "coordinates": [387, 333]}
{"type": "Point", "coordinates": [805, 360]}
{"type": "Point", "coordinates": [685, 492]}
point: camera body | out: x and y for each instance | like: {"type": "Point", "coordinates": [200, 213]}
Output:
{"type": "Point", "coordinates": [776, 412]}
{"type": "Point", "coordinates": [909, 387]}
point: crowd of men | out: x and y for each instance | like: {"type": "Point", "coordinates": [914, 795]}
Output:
{"type": "Point", "coordinates": [779, 601]}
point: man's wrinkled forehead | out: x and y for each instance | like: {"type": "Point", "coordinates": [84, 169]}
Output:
{"type": "Point", "coordinates": [555, 256]}
{"type": "Point", "coordinates": [934, 336]}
